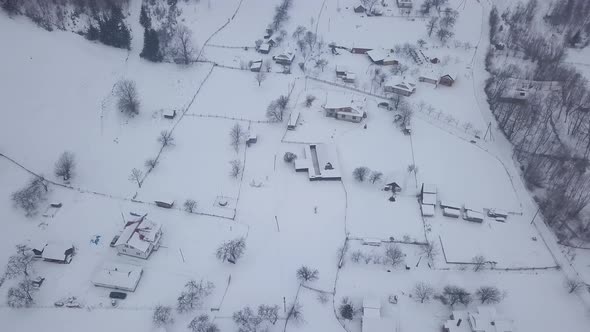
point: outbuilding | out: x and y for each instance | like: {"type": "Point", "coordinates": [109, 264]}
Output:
{"type": "Point", "coordinates": [448, 79]}
{"type": "Point", "coordinates": [117, 276]}
{"type": "Point", "coordinates": [58, 253]}
{"type": "Point", "coordinates": [169, 114]}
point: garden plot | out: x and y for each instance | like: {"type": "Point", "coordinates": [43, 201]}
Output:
{"type": "Point", "coordinates": [234, 93]}
{"type": "Point", "coordinates": [512, 244]}
{"type": "Point", "coordinates": [524, 303]}
{"type": "Point", "coordinates": [79, 114]}
{"type": "Point", "coordinates": [196, 167]}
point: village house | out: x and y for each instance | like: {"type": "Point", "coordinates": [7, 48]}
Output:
{"type": "Point", "coordinates": [344, 107]}
{"type": "Point", "coordinates": [58, 253]}
{"type": "Point", "coordinates": [448, 79]}
{"type": "Point", "coordinates": [404, 3]}
{"type": "Point", "coordinates": [372, 320]}
{"type": "Point", "coordinates": [256, 66]}
{"type": "Point", "coordinates": [117, 276]}
{"type": "Point", "coordinates": [484, 319]}
{"type": "Point", "coordinates": [139, 238]}
{"type": "Point", "coordinates": [320, 161]}
{"type": "Point", "coordinates": [285, 58]}
{"type": "Point", "coordinates": [382, 57]}
{"type": "Point", "coordinates": [397, 85]}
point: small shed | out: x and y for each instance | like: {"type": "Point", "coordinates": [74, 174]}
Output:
{"type": "Point", "coordinates": [360, 50]}
{"type": "Point", "coordinates": [429, 198]}
{"type": "Point", "coordinates": [264, 48]}
{"type": "Point", "coordinates": [428, 188]}
{"type": "Point", "coordinates": [448, 79]}
{"type": "Point", "coordinates": [341, 71]}
{"type": "Point", "coordinates": [359, 9]}
{"type": "Point", "coordinates": [349, 77]}
{"type": "Point", "coordinates": [427, 210]}
{"type": "Point", "coordinates": [165, 204]}
{"type": "Point", "coordinates": [293, 120]}
{"type": "Point", "coordinates": [472, 215]}
{"type": "Point", "coordinates": [252, 138]}
{"type": "Point", "coordinates": [118, 276]}
{"type": "Point", "coordinates": [451, 212]}
{"type": "Point", "coordinates": [393, 186]}
{"type": "Point", "coordinates": [256, 66]}
{"type": "Point", "coordinates": [369, 241]}
{"type": "Point", "coordinates": [169, 114]}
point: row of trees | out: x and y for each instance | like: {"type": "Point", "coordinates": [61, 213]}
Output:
{"type": "Point", "coordinates": [392, 256]}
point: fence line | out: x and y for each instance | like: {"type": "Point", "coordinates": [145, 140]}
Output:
{"type": "Point", "coordinates": [201, 115]}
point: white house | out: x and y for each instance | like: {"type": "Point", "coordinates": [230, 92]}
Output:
{"type": "Point", "coordinates": [397, 85]}
{"type": "Point", "coordinates": [139, 238]}
{"type": "Point", "coordinates": [285, 58]}
{"type": "Point", "coordinates": [484, 319]}
{"type": "Point", "coordinates": [320, 161]}
{"type": "Point", "coordinates": [372, 321]}
{"type": "Point", "coordinates": [344, 107]}
{"type": "Point", "coordinates": [117, 276]}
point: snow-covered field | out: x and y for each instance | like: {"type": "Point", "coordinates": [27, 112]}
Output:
{"type": "Point", "coordinates": [60, 98]}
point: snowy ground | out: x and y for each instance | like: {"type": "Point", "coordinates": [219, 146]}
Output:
{"type": "Point", "coordinates": [64, 102]}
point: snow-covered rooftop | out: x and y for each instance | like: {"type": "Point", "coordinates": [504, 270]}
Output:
{"type": "Point", "coordinates": [56, 251]}
{"type": "Point", "coordinates": [139, 234]}
{"type": "Point", "coordinates": [117, 276]}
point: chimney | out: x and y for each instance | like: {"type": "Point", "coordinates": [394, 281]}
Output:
{"type": "Point", "coordinates": [459, 322]}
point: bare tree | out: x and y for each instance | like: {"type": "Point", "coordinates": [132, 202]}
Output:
{"type": "Point", "coordinates": [488, 295]}
{"type": "Point", "coordinates": [295, 313]}
{"type": "Point", "coordinates": [136, 176]}
{"type": "Point", "coordinates": [393, 255]}
{"type": "Point", "coordinates": [166, 138]}
{"type": "Point", "coordinates": [444, 34]}
{"type": "Point", "coordinates": [162, 315]}
{"type": "Point", "coordinates": [276, 110]}
{"type": "Point", "coordinates": [321, 63]}
{"type": "Point", "coordinates": [423, 291]}
{"type": "Point", "coordinates": [346, 309]}
{"type": "Point", "coordinates": [406, 111]}
{"type": "Point", "coordinates": [128, 100]}
{"type": "Point", "coordinates": [396, 102]}
{"type": "Point", "coordinates": [269, 313]}
{"type": "Point", "coordinates": [190, 205]}
{"type": "Point", "coordinates": [361, 173]}
{"type": "Point", "coordinates": [236, 135]}
{"type": "Point", "coordinates": [193, 295]}
{"type": "Point", "coordinates": [452, 295]}
{"type": "Point", "coordinates": [375, 176]}
{"type": "Point", "coordinates": [31, 196]}
{"type": "Point", "coordinates": [431, 25]}
{"type": "Point", "coordinates": [573, 285]}
{"type": "Point", "coordinates": [21, 296]}
{"type": "Point", "coordinates": [184, 47]}
{"type": "Point", "coordinates": [260, 76]}
{"type": "Point", "coordinates": [64, 167]}
{"type": "Point", "coordinates": [231, 250]}
{"type": "Point", "coordinates": [289, 157]}
{"type": "Point", "coordinates": [20, 263]}
{"type": "Point", "coordinates": [430, 250]}
{"type": "Point", "coordinates": [479, 263]}
{"type": "Point", "coordinates": [202, 323]}
{"type": "Point", "coordinates": [310, 39]}
{"type": "Point", "coordinates": [236, 168]}
{"type": "Point", "coordinates": [299, 32]}
{"type": "Point", "coordinates": [151, 163]}
{"type": "Point", "coordinates": [309, 100]}
{"type": "Point", "coordinates": [246, 320]}
{"type": "Point", "coordinates": [306, 274]}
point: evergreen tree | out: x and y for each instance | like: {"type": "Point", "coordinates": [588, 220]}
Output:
{"type": "Point", "coordinates": [151, 46]}
{"type": "Point", "coordinates": [10, 6]}
{"type": "Point", "coordinates": [92, 33]}
{"type": "Point", "coordinates": [113, 31]}
{"type": "Point", "coordinates": [144, 18]}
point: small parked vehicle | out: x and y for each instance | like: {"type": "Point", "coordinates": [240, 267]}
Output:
{"type": "Point", "coordinates": [118, 295]}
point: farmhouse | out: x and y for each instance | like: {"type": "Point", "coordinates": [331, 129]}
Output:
{"type": "Point", "coordinates": [404, 3]}
{"type": "Point", "coordinates": [448, 79]}
{"type": "Point", "coordinates": [139, 238]}
{"type": "Point", "coordinates": [264, 48]}
{"type": "Point", "coordinates": [484, 319]}
{"type": "Point", "coordinates": [344, 107]}
{"type": "Point", "coordinates": [117, 276]}
{"type": "Point", "coordinates": [320, 161]}
{"type": "Point", "coordinates": [429, 76]}
{"type": "Point", "coordinates": [285, 58]}
{"type": "Point", "coordinates": [382, 57]}
{"type": "Point", "coordinates": [396, 85]}
{"type": "Point", "coordinates": [256, 66]}
{"type": "Point", "coordinates": [58, 253]}
{"type": "Point", "coordinates": [372, 321]}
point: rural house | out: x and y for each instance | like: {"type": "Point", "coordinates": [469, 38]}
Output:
{"type": "Point", "coordinates": [285, 58]}
{"type": "Point", "coordinates": [448, 79]}
{"type": "Point", "coordinates": [117, 276]}
{"type": "Point", "coordinates": [372, 321]}
{"type": "Point", "coordinates": [320, 161]}
{"type": "Point", "coordinates": [399, 86]}
{"type": "Point", "coordinates": [382, 57]}
{"type": "Point", "coordinates": [484, 319]}
{"type": "Point", "coordinates": [139, 238]}
{"type": "Point", "coordinates": [344, 107]}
